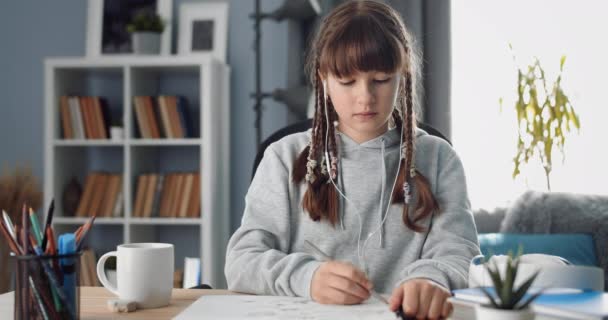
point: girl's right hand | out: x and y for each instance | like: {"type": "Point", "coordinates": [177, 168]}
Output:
{"type": "Point", "coordinates": [337, 282]}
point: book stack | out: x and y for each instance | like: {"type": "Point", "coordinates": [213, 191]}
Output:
{"type": "Point", "coordinates": [88, 265]}
{"type": "Point", "coordinates": [102, 196]}
{"type": "Point", "coordinates": [84, 117]}
{"type": "Point", "coordinates": [178, 278]}
{"type": "Point", "coordinates": [161, 117]}
{"type": "Point", "coordinates": [552, 304]}
{"type": "Point", "coordinates": [176, 195]}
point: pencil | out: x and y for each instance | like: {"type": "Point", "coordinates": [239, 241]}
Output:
{"type": "Point", "coordinates": [10, 240]}
{"type": "Point", "coordinates": [47, 224]}
{"type": "Point", "coordinates": [38, 299]}
{"type": "Point", "coordinates": [55, 283]}
{"type": "Point", "coordinates": [327, 258]}
{"type": "Point", "coordinates": [25, 273]}
{"type": "Point", "coordinates": [35, 225]}
{"type": "Point", "coordinates": [85, 230]}
{"type": "Point", "coordinates": [9, 224]}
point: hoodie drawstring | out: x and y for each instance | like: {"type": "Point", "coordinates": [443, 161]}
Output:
{"type": "Point", "coordinates": [342, 204]}
{"type": "Point", "coordinates": [380, 211]}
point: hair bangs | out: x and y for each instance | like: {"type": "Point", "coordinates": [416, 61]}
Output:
{"type": "Point", "coordinates": [361, 46]}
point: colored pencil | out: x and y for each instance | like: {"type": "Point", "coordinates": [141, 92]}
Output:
{"type": "Point", "coordinates": [47, 224]}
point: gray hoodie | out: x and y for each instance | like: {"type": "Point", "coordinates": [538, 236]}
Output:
{"type": "Point", "coordinates": [266, 255]}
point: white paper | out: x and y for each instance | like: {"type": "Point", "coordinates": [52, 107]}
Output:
{"type": "Point", "coordinates": [237, 307]}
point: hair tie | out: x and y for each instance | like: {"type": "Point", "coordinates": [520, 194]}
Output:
{"type": "Point", "coordinates": [310, 165]}
{"type": "Point", "coordinates": [406, 192]}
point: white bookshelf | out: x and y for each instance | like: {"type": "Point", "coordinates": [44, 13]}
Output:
{"type": "Point", "coordinates": [205, 84]}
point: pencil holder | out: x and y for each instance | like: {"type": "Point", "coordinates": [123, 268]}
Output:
{"type": "Point", "coordinates": [46, 287]}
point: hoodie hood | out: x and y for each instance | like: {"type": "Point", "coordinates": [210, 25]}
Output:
{"type": "Point", "coordinates": [379, 157]}
{"type": "Point", "coordinates": [390, 139]}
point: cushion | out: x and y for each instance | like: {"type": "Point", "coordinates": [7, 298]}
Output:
{"type": "Point", "coordinates": [578, 248]}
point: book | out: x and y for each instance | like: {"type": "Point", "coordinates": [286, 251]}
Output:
{"type": "Point", "coordinates": [164, 116]}
{"type": "Point", "coordinates": [157, 195]}
{"type": "Point", "coordinates": [90, 107]}
{"type": "Point", "coordinates": [177, 191]}
{"type": "Point", "coordinates": [118, 206]}
{"type": "Point", "coordinates": [139, 195]}
{"type": "Point", "coordinates": [142, 124]}
{"type": "Point", "coordinates": [178, 278]}
{"type": "Point", "coordinates": [97, 118]}
{"type": "Point", "coordinates": [103, 112]}
{"type": "Point", "coordinates": [86, 117]}
{"type": "Point", "coordinates": [111, 193]}
{"type": "Point", "coordinates": [77, 120]}
{"type": "Point", "coordinates": [194, 204]}
{"type": "Point", "coordinates": [164, 201]}
{"type": "Point", "coordinates": [558, 303]}
{"type": "Point", "coordinates": [182, 111]}
{"type": "Point", "coordinates": [174, 117]}
{"type": "Point", "coordinates": [66, 118]}
{"type": "Point", "coordinates": [151, 117]}
{"type": "Point", "coordinates": [85, 199]}
{"type": "Point", "coordinates": [170, 195]}
{"type": "Point", "coordinates": [149, 195]}
{"type": "Point", "coordinates": [99, 189]}
{"type": "Point", "coordinates": [185, 195]}
{"type": "Point", "coordinates": [192, 272]}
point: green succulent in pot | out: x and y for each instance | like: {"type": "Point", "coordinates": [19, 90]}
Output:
{"type": "Point", "coordinates": [146, 22]}
{"type": "Point", "coordinates": [146, 29]}
{"type": "Point", "coordinates": [507, 295]}
{"type": "Point", "coordinates": [508, 301]}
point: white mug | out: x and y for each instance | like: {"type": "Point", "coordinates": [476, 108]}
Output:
{"type": "Point", "coordinates": [144, 273]}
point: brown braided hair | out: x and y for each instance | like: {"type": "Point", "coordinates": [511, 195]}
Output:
{"type": "Point", "coordinates": [362, 36]}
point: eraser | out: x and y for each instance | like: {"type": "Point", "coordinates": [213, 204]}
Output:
{"type": "Point", "coordinates": [117, 305]}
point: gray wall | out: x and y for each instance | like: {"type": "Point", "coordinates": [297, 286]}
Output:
{"type": "Point", "coordinates": [31, 30]}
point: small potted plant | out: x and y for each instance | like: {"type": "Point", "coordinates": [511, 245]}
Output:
{"type": "Point", "coordinates": [146, 29]}
{"type": "Point", "coordinates": [507, 302]}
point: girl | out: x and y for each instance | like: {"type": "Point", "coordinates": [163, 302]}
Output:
{"type": "Point", "coordinates": [384, 199]}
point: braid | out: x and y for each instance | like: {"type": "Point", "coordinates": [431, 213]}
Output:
{"type": "Point", "coordinates": [328, 55]}
{"type": "Point", "coordinates": [333, 146]}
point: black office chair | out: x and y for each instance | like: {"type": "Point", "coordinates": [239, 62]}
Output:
{"type": "Point", "coordinates": [307, 124]}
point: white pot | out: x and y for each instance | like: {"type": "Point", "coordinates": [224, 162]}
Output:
{"type": "Point", "coordinates": [489, 313]}
{"type": "Point", "coordinates": [146, 42]}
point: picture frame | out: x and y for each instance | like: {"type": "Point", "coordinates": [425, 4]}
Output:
{"type": "Point", "coordinates": [203, 29]}
{"type": "Point", "coordinates": [105, 39]}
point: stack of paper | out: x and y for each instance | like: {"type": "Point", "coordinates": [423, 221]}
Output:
{"type": "Point", "coordinates": [236, 307]}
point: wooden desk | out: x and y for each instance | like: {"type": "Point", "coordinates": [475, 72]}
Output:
{"type": "Point", "coordinates": [93, 304]}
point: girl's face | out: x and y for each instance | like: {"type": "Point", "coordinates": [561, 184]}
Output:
{"type": "Point", "coordinates": [364, 102]}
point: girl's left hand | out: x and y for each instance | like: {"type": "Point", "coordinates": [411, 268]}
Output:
{"type": "Point", "coordinates": [421, 298]}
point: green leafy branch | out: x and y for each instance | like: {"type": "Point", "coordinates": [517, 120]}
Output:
{"type": "Point", "coordinates": [543, 121]}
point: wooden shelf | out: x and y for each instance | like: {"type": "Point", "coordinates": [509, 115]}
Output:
{"type": "Point", "coordinates": [166, 142]}
{"type": "Point", "coordinates": [87, 143]}
{"type": "Point", "coordinates": [166, 221]}
{"type": "Point", "coordinates": [82, 220]}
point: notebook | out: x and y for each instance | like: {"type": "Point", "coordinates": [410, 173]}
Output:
{"type": "Point", "coordinates": [560, 303]}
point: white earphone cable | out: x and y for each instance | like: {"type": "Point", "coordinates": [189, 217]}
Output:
{"type": "Point", "coordinates": [360, 250]}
